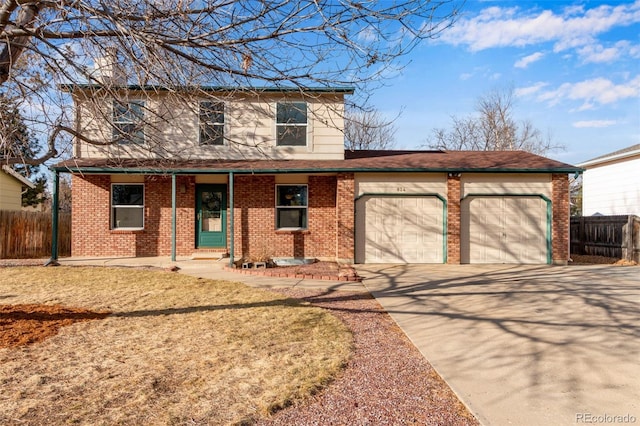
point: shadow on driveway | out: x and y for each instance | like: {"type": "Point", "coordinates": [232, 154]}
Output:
{"type": "Point", "coordinates": [523, 345]}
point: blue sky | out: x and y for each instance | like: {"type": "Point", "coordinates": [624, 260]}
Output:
{"type": "Point", "coordinates": [574, 67]}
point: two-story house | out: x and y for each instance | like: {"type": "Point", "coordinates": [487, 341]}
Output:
{"type": "Point", "coordinates": [262, 172]}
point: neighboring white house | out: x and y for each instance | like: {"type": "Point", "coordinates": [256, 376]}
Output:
{"type": "Point", "coordinates": [11, 185]}
{"type": "Point", "coordinates": [611, 183]}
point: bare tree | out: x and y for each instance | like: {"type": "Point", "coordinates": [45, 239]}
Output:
{"type": "Point", "coordinates": [174, 44]}
{"type": "Point", "coordinates": [493, 128]}
{"type": "Point", "coordinates": [368, 129]}
{"type": "Point", "coordinates": [575, 195]}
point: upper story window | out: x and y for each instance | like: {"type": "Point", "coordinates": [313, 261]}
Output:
{"type": "Point", "coordinates": [211, 123]}
{"type": "Point", "coordinates": [127, 206]}
{"type": "Point", "coordinates": [128, 122]}
{"type": "Point", "coordinates": [291, 124]}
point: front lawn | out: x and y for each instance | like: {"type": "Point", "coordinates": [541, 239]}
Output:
{"type": "Point", "coordinates": [174, 350]}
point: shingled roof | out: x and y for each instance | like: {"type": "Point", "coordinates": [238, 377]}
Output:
{"type": "Point", "coordinates": [355, 161]}
{"type": "Point", "coordinates": [621, 153]}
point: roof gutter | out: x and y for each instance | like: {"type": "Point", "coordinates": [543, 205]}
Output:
{"type": "Point", "coordinates": [158, 171]}
{"type": "Point", "coordinates": [160, 88]}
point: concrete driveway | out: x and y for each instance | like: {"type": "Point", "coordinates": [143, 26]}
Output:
{"type": "Point", "coordinates": [524, 345]}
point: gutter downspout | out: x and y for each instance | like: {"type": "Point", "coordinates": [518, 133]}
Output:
{"type": "Point", "coordinates": [53, 261]}
{"type": "Point", "coordinates": [231, 220]}
{"type": "Point", "coordinates": [173, 217]}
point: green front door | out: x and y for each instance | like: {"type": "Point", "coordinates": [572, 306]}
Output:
{"type": "Point", "coordinates": [211, 216]}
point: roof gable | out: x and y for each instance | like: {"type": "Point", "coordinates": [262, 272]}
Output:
{"type": "Point", "coordinates": [631, 151]}
{"type": "Point", "coordinates": [17, 176]}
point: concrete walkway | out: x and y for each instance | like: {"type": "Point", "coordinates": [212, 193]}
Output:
{"type": "Point", "coordinates": [214, 269]}
{"type": "Point", "coordinates": [524, 345]}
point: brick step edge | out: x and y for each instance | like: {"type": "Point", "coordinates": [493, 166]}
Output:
{"type": "Point", "coordinates": [277, 274]}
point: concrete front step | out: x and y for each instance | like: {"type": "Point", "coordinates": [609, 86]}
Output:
{"type": "Point", "coordinates": [209, 254]}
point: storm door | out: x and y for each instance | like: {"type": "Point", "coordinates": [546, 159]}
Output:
{"type": "Point", "coordinates": [211, 216]}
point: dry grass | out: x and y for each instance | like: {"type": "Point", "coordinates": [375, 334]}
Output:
{"type": "Point", "coordinates": [176, 350]}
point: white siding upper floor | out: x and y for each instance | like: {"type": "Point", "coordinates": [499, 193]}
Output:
{"type": "Point", "coordinates": [611, 185]}
{"type": "Point", "coordinates": [172, 125]}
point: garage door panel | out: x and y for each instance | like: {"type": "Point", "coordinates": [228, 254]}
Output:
{"type": "Point", "coordinates": [400, 230]}
{"type": "Point", "coordinates": [504, 229]}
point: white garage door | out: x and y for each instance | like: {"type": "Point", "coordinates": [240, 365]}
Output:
{"type": "Point", "coordinates": [399, 230]}
{"type": "Point", "coordinates": [504, 230]}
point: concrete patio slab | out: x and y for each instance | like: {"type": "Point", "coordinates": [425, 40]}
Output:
{"type": "Point", "coordinates": [524, 345]}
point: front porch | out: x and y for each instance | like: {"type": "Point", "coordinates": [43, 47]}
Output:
{"type": "Point", "coordinates": [213, 215]}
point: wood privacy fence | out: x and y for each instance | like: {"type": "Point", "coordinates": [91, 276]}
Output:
{"type": "Point", "coordinates": [26, 235]}
{"type": "Point", "coordinates": [611, 236]}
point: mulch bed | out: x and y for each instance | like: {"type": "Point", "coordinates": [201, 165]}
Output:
{"type": "Point", "coordinates": [580, 259]}
{"type": "Point", "coordinates": [321, 270]}
{"type": "Point", "coordinates": [26, 324]}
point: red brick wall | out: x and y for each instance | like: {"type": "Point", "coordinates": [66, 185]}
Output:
{"type": "Point", "coordinates": [331, 219]}
{"type": "Point", "coordinates": [91, 233]}
{"type": "Point", "coordinates": [255, 233]}
{"type": "Point", "coordinates": [560, 221]}
{"type": "Point", "coordinates": [453, 219]}
{"type": "Point", "coordinates": [345, 227]}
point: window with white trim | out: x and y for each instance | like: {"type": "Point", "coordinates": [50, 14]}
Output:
{"type": "Point", "coordinates": [291, 124]}
{"type": "Point", "coordinates": [291, 206]}
{"type": "Point", "coordinates": [127, 206]}
{"type": "Point", "coordinates": [128, 122]}
{"type": "Point", "coordinates": [211, 123]}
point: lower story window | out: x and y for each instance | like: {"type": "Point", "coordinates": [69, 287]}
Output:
{"type": "Point", "coordinates": [127, 206]}
{"type": "Point", "coordinates": [291, 206]}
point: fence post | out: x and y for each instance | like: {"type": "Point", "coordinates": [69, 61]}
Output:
{"type": "Point", "coordinates": [629, 234]}
{"type": "Point", "coordinates": [582, 242]}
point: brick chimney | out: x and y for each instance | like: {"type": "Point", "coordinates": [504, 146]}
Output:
{"type": "Point", "coordinates": [108, 69]}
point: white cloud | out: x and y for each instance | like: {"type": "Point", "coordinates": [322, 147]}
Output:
{"type": "Point", "coordinates": [524, 62]}
{"type": "Point", "coordinates": [530, 90]}
{"type": "Point", "coordinates": [368, 34]}
{"type": "Point", "coordinates": [594, 124]}
{"type": "Point", "coordinates": [597, 53]}
{"type": "Point", "coordinates": [593, 92]}
{"type": "Point", "coordinates": [466, 76]}
{"type": "Point", "coordinates": [500, 27]}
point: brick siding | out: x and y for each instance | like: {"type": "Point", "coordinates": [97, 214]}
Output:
{"type": "Point", "coordinates": [330, 234]}
{"type": "Point", "coordinates": [453, 219]}
{"type": "Point", "coordinates": [254, 214]}
{"type": "Point", "coordinates": [345, 219]}
{"type": "Point", "coordinates": [91, 233]}
{"type": "Point", "coordinates": [560, 221]}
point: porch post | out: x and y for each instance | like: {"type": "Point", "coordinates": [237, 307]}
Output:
{"type": "Point", "coordinates": [173, 217]}
{"type": "Point", "coordinates": [231, 220]}
{"type": "Point", "coordinates": [53, 261]}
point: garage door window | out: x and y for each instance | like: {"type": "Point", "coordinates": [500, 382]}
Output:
{"type": "Point", "coordinates": [291, 206]}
